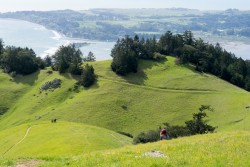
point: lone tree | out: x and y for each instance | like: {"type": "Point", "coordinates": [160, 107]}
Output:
{"type": "Point", "coordinates": [90, 58]}
{"type": "Point", "coordinates": [88, 76]}
{"type": "Point", "coordinates": [198, 125]}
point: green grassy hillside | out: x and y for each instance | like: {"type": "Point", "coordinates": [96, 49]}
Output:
{"type": "Point", "coordinates": [221, 149]}
{"type": "Point", "coordinates": [58, 139]}
{"type": "Point", "coordinates": [159, 92]}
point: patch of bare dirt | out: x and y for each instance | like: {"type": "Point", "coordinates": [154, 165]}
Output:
{"type": "Point", "coordinates": [29, 163]}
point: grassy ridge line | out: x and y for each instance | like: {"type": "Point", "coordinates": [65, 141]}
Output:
{"type": "Point", "coordinates": [62, 139]}
{"type": "Point", "coordinates": [167, 74]}
{"type": "Point", "coordinates": [159, 88]}
{"type": "Point", "coordinates": [219, 149]}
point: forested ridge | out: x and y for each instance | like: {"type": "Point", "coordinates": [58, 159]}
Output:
{"type": "Point", "coordinates": [204, 56]}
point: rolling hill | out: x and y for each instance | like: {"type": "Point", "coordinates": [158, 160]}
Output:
{"type": "Point", "coordinates": [220, 149]}
{"type": "Point", "coordinates": [64, 139]}
{"type": "Point", "coordinates": [159, 92]}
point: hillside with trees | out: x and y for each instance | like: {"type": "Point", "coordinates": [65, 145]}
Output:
{"type": "Point", "coordinates": [207, 58]}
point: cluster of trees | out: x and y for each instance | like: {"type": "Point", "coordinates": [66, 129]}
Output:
{"type": "Point", "coordinates": [206, 57]}
{"type": "Point", "coordinates": [127, 51]}
{"type": "Point", "coordinates": [16, 60]}
{"type": "Point", "coordinates": [69, 59]}
{"type": "Point", "coordinates": [192, 127]}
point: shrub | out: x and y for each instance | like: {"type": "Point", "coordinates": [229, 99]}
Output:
{"type": "Point", "coordinates": [177, 131]}
{"type": "Point", "coordinates": [3, 110]}
{"type": "Point", "coordinates": [158, 56]}
{"type": "Point", "coordinates": [145, 137]}
{"type": "Point", "coordinates": [196, 126]}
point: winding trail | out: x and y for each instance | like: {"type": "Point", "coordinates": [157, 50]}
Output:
{"type": "Point", "coordinates": [20, 141]}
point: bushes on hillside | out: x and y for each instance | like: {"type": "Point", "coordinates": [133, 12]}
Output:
{"type": "Point", "coordinates": [146, 137]}
{"type": "Point", "coordinates": [195, 126]}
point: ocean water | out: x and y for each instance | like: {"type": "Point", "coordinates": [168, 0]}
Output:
{"type": "Point", "coordinates": [46, 42]}
{"type": "Point", "coordinates": [240, 49]}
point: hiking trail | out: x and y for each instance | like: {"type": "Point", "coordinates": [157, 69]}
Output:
{"type": "Point", "coordinates": [20, 141]}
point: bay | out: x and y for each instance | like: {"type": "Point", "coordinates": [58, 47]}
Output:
{"type": "Point", "coordinates": [44, 41]}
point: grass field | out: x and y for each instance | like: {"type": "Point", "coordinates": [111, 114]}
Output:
{"type": "Point", "coordinates": [159, 92]}
{"type": "Point", "coordinates": [58, 139]}
{"type": "Point", "coordinates": [221, 149]}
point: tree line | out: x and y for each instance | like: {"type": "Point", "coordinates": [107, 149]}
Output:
{"type": "Point", "coordinates": [204, 56]}
{"type": "Point", "coordinates": [67, 59]}
{"type": "Point", "coordinates": [17, 60]}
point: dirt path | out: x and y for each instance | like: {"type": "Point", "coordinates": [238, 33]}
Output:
{"type": "Point", "coordinates": [159, 88]}
{"type": "Point", "coordinates": [20, 141]}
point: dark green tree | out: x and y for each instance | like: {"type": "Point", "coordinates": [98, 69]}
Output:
{"type": "Point", "coordinates": [1, 46]}
{"type": "Point", "coordinates": [90, 58]}
{"type": "Point", "coordinates": [188, 38]}
{"type": "Point", "coordinates": [19, 60]}
{"type": "Point", "coordinates": [68, 58]}
{"type": "Point", "coordinates": [48, 61]}
{"type": "Point", "coordinates": [124, 57]}
{"type": "Point", "coordinates": [88, 76]}
{"type": "Point", "coordinates": [198, 125]}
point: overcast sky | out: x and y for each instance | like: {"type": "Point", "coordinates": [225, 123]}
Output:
{"type": "Point", "coordinates": [17, 5]}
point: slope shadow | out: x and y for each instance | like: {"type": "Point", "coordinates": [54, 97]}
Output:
{"type": "Point", "coordinates": [140, 76]}
{"type": "Point", "coordinates": [27, 79]}
{"type": "Point", "coordinates": [191, 67]}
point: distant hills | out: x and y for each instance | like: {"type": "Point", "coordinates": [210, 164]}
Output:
{"type": "Point", "coordinates": [110, 24]}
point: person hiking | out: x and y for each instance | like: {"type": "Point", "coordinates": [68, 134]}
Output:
{"type": "Point", "coordinates": [163, 134]}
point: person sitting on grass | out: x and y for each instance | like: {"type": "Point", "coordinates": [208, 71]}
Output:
{"type": "Point", "coordinates": [163, 134]}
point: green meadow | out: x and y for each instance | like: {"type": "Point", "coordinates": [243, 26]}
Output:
{"type": "Point", "coordinates": [88, 119]}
